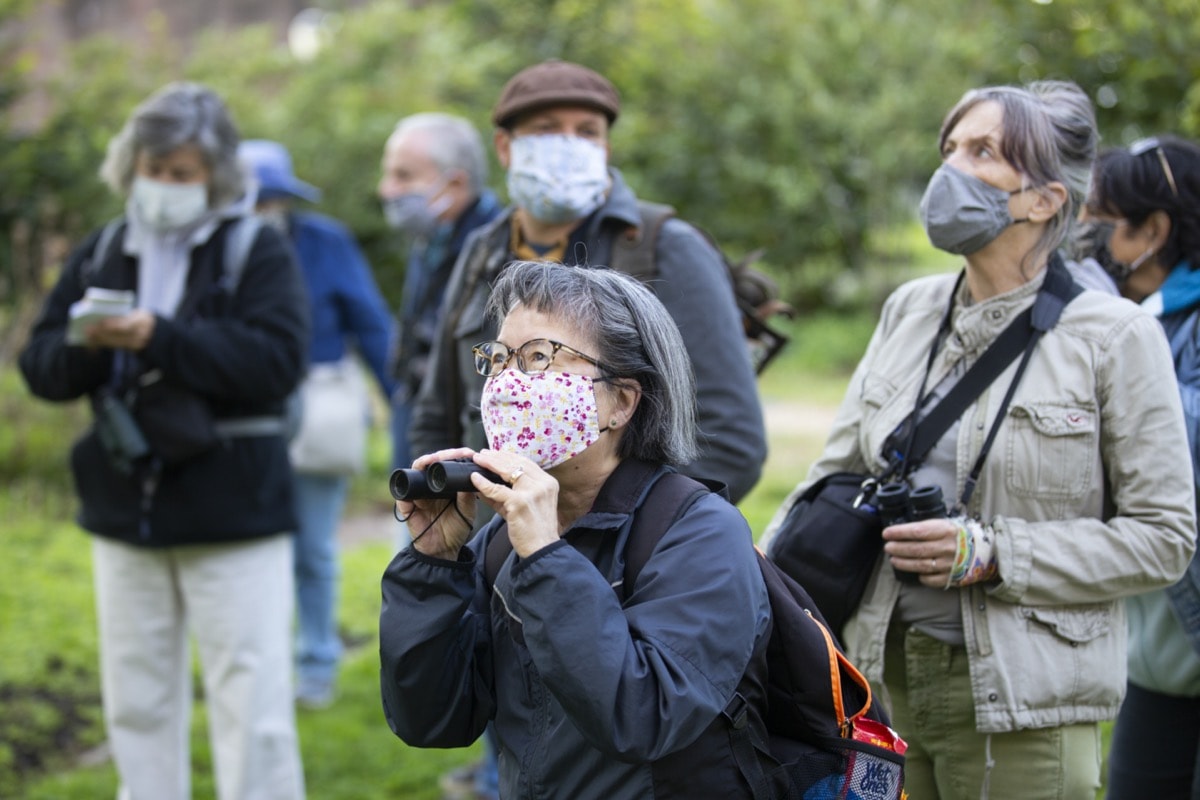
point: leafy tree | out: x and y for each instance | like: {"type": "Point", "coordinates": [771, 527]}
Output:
{"type": "Point", "coordinates": [51, 194]}
{"type": "Point", "coordinates": [799, 125]}
{"type": "Point", "coordinates": [1139, 62]}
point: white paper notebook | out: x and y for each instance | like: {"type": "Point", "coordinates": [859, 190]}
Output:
{"type": "Point", "coordinates": [97, 304]}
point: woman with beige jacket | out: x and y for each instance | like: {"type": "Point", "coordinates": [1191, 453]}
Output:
{"type": "Point", "coordinates": [1006, 648]}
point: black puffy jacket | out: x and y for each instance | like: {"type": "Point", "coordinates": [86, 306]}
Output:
{"type": "Point", "coordinates": [242, 352]}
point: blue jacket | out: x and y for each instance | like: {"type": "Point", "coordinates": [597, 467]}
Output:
{"type": "Point", "coordinates": [343, 296]}
{"type": "Point", "coordinates": [1181, 322]}
{"type": "Point", "coordinates": [430, 264]}
{"type": "Point", "coordinates": [589, 694]}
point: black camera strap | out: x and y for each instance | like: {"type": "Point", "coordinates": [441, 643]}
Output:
{"type": "Point", "coordinates": [1021, 336]}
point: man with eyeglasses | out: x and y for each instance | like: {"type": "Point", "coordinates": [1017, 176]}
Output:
{"type": "Point", "coordinates": [568, 205]}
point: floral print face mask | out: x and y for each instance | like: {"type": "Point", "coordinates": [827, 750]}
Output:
{"type": "Point", "coordinates": [548, 417]}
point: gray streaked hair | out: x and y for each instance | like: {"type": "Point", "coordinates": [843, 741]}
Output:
{"type": "Point", "coordinates": [635, 337]}
{"type": "Point", "coordinates": [1049, 135]}
{"type": "Point", "coordinates": [453, 143]}
{"type": "Point", "coordinates": [179, 114]}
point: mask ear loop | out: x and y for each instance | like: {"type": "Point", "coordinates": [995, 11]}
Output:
{"type": "Point", "coordinates": [1022, 190]}
{"type": "Point", "coordinates": [439, 206]}
{"type": "Point", "coordinates": [1137, 262]}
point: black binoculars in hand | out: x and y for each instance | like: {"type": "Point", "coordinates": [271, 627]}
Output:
{"type": "Point", "coordinates": [897, 504]}
{"type": "Point", "coordinates": [440, 480]}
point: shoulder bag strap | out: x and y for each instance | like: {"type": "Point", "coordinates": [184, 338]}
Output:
{"type": "Point", "coordinates": [1057, 291]}
{"type": "Point", "coordinates": [1020, 336]}
{"type": "Point", "coordinates": [486, 252]}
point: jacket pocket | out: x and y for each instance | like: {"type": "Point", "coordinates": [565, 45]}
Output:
{"type": "Point", "coordinates": [1069, 658]}
{"type": "Point", "coordinates": [1051, 450]}
{"type": "Point", "coordinates": [881, 414]}
{"type": "Point", "coordinates": [1077, 625]}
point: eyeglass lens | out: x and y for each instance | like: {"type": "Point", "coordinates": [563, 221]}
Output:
{"type": "Point", "coordinates": [534, 356]}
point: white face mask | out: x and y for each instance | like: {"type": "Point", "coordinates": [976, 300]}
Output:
{"type": "Point", "coordinates": [557, 178]}
{"type": "Point", "coordinates": [548, 417]}
{"type": "Point", "coordinates": [168, 206]}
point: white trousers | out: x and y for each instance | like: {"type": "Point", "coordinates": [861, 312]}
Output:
{"type": "Point", "coordinates": [235, 599]}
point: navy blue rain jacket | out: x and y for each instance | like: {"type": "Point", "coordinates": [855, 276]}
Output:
{"type": "Point", "coordinates": [592, 697]}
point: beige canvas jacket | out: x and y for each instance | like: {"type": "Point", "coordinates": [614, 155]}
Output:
{"type": "Point", "coordinates": [1088, 487]}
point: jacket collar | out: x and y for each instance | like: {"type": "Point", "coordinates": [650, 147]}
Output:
{"type": "Point", "coordinates": [973, 327]}
{"type": "Point", "coordinates": [485, 208]}
{"type": "Point", "coordinates": [620, 206]}
{"type": "Point", "coordinates": [621, 494]}
{"type": "Point", "coordinates": [1179, 292]}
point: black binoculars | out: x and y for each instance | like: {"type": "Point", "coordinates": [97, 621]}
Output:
{"type": "Point", "coordinates": [119, 434]}
{"type": "Point", "coordinates": [896, 504]}
{"type": "Point", "coordinates": [441, 480]}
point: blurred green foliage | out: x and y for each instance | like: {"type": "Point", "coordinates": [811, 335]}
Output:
{"type": "Point", "coordinates": [803, 126]}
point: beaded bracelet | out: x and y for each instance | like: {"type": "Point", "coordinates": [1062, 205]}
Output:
{"type": "Point", "coordinates": [975, 556]}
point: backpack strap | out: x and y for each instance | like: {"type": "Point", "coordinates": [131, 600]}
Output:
{"type": "Point", "coordinates": [745, 746]}
{"type": "Point", "coordinates": [633, 251]}
{"type": "Point", "coordinates": [666, 501]}
{"type": "Point", "coordinates": [101, 251]}
{"type": "Point", "coordinates": [239, 239]}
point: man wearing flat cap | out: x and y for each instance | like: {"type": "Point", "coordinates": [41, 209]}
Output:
{"type": "Point", "coordinates": [568, 205]}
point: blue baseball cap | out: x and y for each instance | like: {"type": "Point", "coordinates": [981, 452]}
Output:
{"type": "Point", "coordinates": [272, 167]}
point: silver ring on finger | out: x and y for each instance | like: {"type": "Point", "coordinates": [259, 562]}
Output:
{"type": "Point", "coordinates": [515, 476]}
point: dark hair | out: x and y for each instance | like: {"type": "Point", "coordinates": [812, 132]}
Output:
{"type": "Point", "coordinates": [1132, 187]}
{"type": "Point", "coordinates": [635, 338]}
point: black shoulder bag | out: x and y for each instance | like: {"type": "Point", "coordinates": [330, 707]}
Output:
{"type": "Point", "coordinates": [831, 537]}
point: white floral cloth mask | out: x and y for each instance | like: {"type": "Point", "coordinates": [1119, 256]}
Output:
{"type": "Point", "coordinates": [548, 417]}
{"type": "Point", "coordinates": [557, 178]}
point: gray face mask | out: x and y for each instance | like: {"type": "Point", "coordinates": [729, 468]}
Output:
{"type": "Point", "coordinates": [963, 214]}
{"type": "Point", "coordinates": [410, 214]}
{"type": "Point", "coordinates": [417, 214]}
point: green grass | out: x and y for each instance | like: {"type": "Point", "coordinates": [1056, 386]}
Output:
{"type": "Point", "coordinates": [50, 689]}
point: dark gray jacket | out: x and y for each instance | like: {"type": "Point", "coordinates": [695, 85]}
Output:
{"type": "Point", "coordinates": [692, 283]}
{"type": "Point", "coordinates": [592, 697]}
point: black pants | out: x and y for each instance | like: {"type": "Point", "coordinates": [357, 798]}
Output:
{"type": "Point", "coordinates": [1155, 748]}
